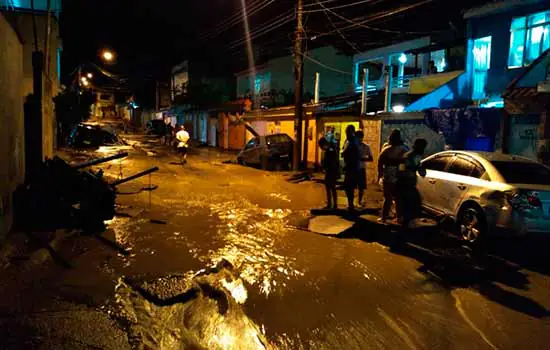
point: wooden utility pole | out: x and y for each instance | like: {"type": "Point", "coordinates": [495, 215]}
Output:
{"type": "Point", "coordinates": [298, 86]}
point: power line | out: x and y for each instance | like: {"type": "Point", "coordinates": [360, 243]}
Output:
{"type": "Point", "coordinates": [280, 21]}
{"type": "Point", "coordinates": [323, 2]}
{"type": "Point", "coordinates": [375, 17]}
{"type": "Point", "coordinates": [238, 14]}
{"type": "Point", "coordinates": [325, 66]}
{"type": "Point", "coordinates": [369, 27]}
{"type": "Point", "coordinates": [337, 7]}
{"type": "Point", "coordinates": [250, 11]}
{"type": "Point", "coordinates": [340, 33]}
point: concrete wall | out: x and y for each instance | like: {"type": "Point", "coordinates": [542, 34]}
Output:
{"type": "Point", "coordinates": [524, 135]}
{"type": "Point", "coordinates": [282, 73]}
{"type": "Point", "coordinates": [12, 134]}
{"type": "Point", "coordinates": [498, 26]}
{"type": "Point", "coordinates": [22, 23]}
{"type": "Point", "coordinates": [372, 131]}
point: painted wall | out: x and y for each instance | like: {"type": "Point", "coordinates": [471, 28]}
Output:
{"type": "Point", "coordinates": [281, 72]}
{"type": "Point", "coordinates": [372, 131]}
{"type": "Point", "coordinates": [12, 134]}
{"type": "Point", "coordinates": [524, 135]}
{"type": "Point", "coordinates": [412, 129]}
{"type": "Point", "coordinates": [498, 26]}
{"type": "Point", "coordinates": [445, 96]}
{"type": "Point", "coordinates": [23, 25]}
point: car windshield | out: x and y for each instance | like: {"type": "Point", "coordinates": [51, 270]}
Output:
{"type": "Point", "coordinates": [281, 138]}
{"type": "Point", "coordinates": [523, 172]}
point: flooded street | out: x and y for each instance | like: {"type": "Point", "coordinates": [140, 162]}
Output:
{"type": "Point", "coordinates": [222, 256]}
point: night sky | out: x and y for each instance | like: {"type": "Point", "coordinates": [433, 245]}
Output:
{"type": "Point", "coordinates": [151, 36]}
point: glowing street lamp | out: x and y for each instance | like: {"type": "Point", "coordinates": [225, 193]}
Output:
{"type": "Point", "coordinates": [83, 79]}
{"type": "Point", "coordinates": [89, 75]}
{"type": "Point", "coordinates": [108, 55]}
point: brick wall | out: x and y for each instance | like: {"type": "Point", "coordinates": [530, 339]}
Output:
{"type": "Point", "coordinates": [372, 130]}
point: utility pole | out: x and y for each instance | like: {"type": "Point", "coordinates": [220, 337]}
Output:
{"type": "Point", "coordinates": [364, 91]}
{"type": "Point", "coordinates": [298, 86]}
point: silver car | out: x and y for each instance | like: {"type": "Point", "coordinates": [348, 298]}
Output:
{"type": "Point", "coordinates": [486, 193]}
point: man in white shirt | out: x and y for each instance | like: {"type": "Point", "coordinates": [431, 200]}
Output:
{"type": "Point", "coordinates": [183, 138]}
{"type": "Point", "coordinates": [365, 155]}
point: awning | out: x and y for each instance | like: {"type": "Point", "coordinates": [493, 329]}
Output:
{"type": "Point", "coordinates": [520, 92]}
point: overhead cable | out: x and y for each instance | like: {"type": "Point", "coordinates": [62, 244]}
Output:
{"type": "Point", "coordinates": [325, 66]}
{"type": "Point", "coordinates": [337, 7]}
{"type": "Point", "coordinates": [376, 17]}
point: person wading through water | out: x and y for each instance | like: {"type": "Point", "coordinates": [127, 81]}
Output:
{"type": "Point", "coordinates": [182, 138]}
{"type": "Point", "coordinates": [410, 199]}
{"type": "Point", "coordinates": [331, 165]}
{"type": "Point", "coordinates": [351, 168]}
{"type": "Point", "coordinates": [388, 168]}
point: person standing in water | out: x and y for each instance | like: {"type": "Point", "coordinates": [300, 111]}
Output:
{"type": "Point", "coordinates": [182, 138]}
{"type": "Point", "coordinates": [365, 155]}
{"type": "Point", "coordinates": [388, 168]}
{"type": "Point", "coordinates": [331, 165]}
{"type": "Point", "coordinates": [410, 199]}
{"type": "Point", "coordinates": [351, 168]}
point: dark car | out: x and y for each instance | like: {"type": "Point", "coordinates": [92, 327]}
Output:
{"type": "Point", "coordinates": [156, 127]}
{"type": "Point", "coordinates": [92, 136]}
{"type": "Point", "coordinates": [270, 150]}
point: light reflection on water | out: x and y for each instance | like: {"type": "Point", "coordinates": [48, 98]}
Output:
{"type": "Point", "coordinates": [249, 234]}
{"type": "Point", "coordinates": [206, 320]}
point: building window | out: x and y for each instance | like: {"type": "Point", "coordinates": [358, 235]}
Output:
{"type": "Point", "coordinates": [529, 38]}
{"type": "Point", "coordinates": [482, 63]}
{"type": "Point", "coordinates": [439, 60]}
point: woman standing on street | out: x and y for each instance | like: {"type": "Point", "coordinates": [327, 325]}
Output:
{"type": "Point", "coordinates": [388, 168]}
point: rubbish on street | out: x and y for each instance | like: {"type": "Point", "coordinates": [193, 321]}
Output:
{"type": "Point", "coordinates": [64, 196]}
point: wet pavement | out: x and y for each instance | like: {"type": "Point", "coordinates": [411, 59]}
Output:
{"type": "Point", "coordinates": [222, 256]}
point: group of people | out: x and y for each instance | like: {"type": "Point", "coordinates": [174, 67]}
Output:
{"type": "Point", "coordinates": [397, 169]}
{"type": "Point", "coordinates": [356, 154]}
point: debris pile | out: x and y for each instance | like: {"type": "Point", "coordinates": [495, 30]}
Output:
{"type": "Point", "coordinates": [65, 196]}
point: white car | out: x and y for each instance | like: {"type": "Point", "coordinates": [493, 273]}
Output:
{"type": "Point", "coordinates": [486, 193]}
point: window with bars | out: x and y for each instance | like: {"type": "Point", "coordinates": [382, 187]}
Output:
{"type": "Point", "coordinates": [529, 38]}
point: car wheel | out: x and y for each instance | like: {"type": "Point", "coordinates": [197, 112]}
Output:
{"type": "Point", "coordinates": [472, 225]}
{"type": "Point", "coordinates": [263, 163]}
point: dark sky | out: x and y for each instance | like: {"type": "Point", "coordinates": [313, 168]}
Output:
{"type": "Point", "coordinates": [151, 36]}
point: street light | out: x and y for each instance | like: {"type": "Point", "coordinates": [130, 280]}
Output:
{"type": "Point", "coordinates": [89, 75]}
{"type": "Point", "coordinates": [83, 79]}
{"type": "Point", "coordinates": [108, 55]}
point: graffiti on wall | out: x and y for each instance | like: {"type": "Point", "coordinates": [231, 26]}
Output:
{"type": "Point", "coordinates": [412, 130]}
{"type": "Point", "coordinates": [460, 126]}
{"type": "Point", "coordinates": [524, 136]}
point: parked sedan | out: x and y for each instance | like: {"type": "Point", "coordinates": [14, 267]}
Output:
{"type": "Point", "coordinates": [268, 150]}
{"type": "Point", "coordinates": [487, 193]}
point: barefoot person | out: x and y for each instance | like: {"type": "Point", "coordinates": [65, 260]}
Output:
{"type": "Point", "coordinates": [331, 165]}
{"type": "Point", "coordinates": [388, 168]}
{"type": "Point", "coordinates": [183, 138]}
{"type": "Point", "coordinates": [365, 155]}
{"type": "Point", "coordinates": [351, 168]}
{"type": "Point", "coordinates": [409, 196]}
